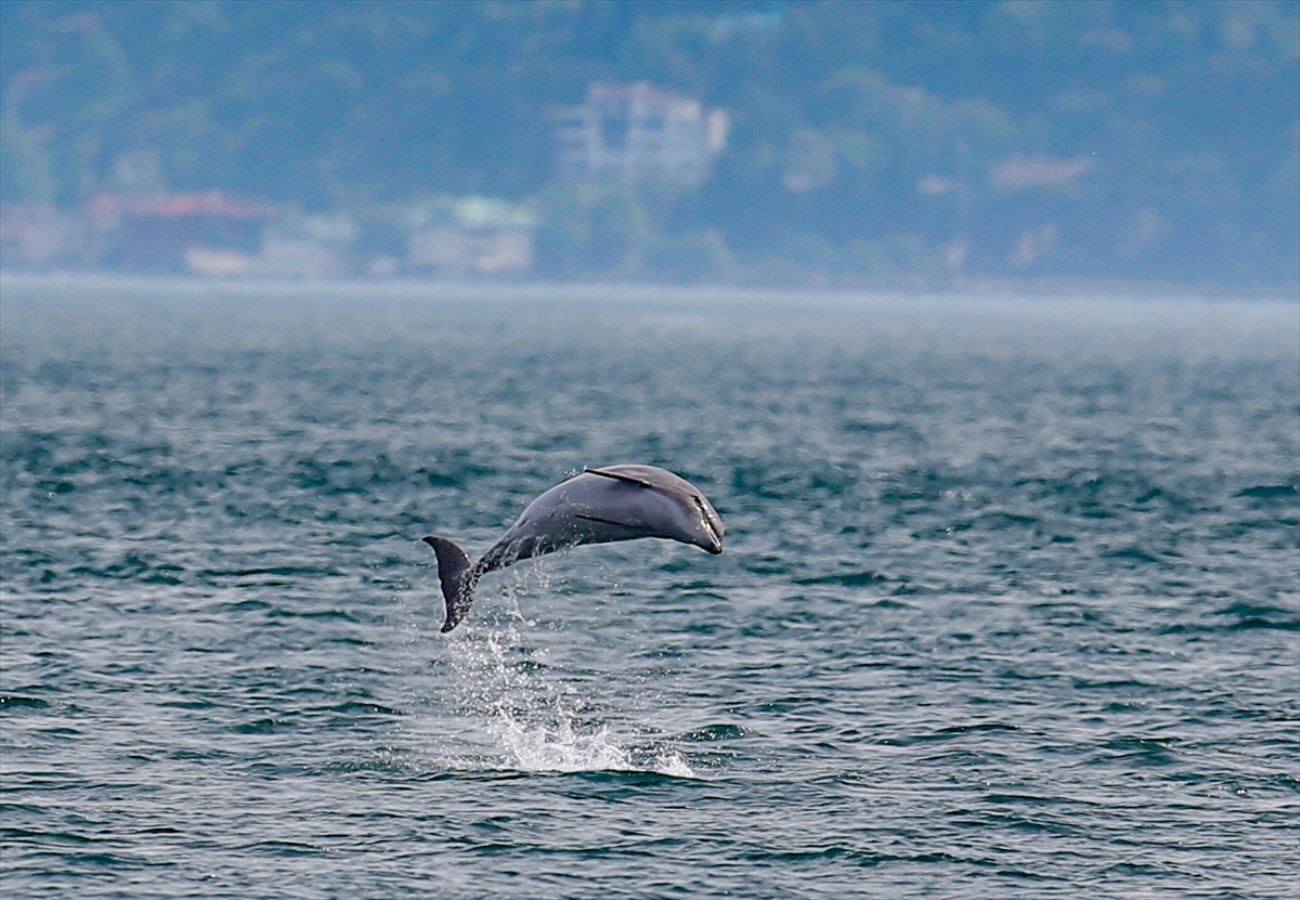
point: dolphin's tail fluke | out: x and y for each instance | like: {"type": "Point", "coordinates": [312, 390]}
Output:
{"type": "Point", "coordinates": [458, 579]}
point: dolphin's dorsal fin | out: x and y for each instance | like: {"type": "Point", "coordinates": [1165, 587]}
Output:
{"type": "Point", "coordinates": [619, 476]}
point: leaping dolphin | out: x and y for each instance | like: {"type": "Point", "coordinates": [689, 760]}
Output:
{"type": "Point", "coordinates": [612, 503]}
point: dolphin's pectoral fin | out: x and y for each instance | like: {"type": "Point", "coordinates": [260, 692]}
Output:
{"type": "Point", "coordinates": [458, 579]}
{"type": "Point", "coordinates": [619, 476]}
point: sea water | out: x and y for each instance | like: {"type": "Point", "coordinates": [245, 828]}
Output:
{"type": "Point", "coordinates": [1008, 604]}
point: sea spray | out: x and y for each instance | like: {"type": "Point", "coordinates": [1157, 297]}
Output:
{"type": "Point", "coordinates": [538, 718]}
{"type": "Point", "coordinates": [494, 700]}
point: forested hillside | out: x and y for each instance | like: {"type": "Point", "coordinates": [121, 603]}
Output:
{"type": "Point", "coordinates": [1090, 139]}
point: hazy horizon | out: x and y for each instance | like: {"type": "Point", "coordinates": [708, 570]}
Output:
{"type": "Point", "coordinates": [802, 144]}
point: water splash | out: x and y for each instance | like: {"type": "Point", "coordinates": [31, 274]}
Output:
{"type": "Point", "coordinates": [542, 748]}
{"type": "Point", "coordinates": [528, 716]}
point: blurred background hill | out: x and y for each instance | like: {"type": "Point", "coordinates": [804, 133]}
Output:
{"type": "Point", "coordinates": [765, 141]}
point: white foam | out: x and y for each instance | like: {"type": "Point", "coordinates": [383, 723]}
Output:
{"type": "Point", "coordinates": [561, 748]}
{"type": "Point", "coordinates": [501, 688]}
{"type": "Point", "coordinates": [538, 748]}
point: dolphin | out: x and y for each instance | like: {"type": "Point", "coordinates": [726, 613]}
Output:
{"type": "Point", "coordinates": [612, 503]}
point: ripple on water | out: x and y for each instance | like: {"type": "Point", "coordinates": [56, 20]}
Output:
{"type": "Point", "coordinates": [1008, 605]}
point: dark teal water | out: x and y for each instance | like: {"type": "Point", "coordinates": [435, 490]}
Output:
{"type": "Point", "coordinates": [1009, 602]}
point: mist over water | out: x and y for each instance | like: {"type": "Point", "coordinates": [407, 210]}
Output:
{"type": "Point", "coordinates": [1008, 603]}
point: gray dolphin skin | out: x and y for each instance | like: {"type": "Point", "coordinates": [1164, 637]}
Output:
{"type": "Point", "coordinates": [612, 503]}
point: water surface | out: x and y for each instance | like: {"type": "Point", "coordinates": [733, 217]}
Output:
{"type": "Point", "coordinates": [1008, 607]}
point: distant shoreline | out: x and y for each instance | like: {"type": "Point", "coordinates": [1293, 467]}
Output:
{"type": "Point", "coordinates": [967, 288]}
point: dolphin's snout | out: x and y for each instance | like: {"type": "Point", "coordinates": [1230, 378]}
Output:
{"type": "Point", "coordinates": [711, 538]}
{"type": "Point", "coordinates": [709, 543]}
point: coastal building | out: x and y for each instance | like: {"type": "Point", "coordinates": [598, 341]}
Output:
{"type": "Point", "coordinates": [470, 236]}
{"type": "Point", "coordinates": [204, 233]}
{"type": "Point", "coordinates": [38, 236]}
{"type": "Point", "coordinates": [308, 246]}
{"type": "Point", "coordinates": [638, 133]}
